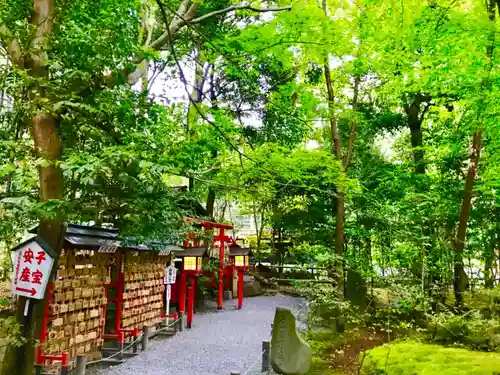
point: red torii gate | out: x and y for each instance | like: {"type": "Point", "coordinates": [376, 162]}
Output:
{"type": "Point", "coordinates": [222, 238]}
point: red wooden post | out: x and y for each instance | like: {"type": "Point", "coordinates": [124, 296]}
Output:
{"type": "Point", "coordinates": [194, 281]}
{"type": "Point", "coordinates": [240, 289]}
{"type": "Point", "coordinates": [182, 292]}
{"type": "Point", "coordinates": [119, 292]}
{"type": "Point", "coordinates": [220, 291]}
{"type": "Point", "coordinates": [190, 303]}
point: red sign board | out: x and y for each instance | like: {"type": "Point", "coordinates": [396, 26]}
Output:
{"type": "Point", "coordinates": [32, 268]}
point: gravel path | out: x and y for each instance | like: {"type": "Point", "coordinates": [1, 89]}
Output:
{"type": "Point", "coordinates": [218, 343]}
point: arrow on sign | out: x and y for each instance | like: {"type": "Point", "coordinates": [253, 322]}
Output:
{"type": "Point", "coordinates": [32, 291]}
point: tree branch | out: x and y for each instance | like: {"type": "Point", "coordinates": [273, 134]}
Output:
{"type": "Point", "coordinates": [236, 7]}
{"type": "Point", "coordinates": [184, 15]}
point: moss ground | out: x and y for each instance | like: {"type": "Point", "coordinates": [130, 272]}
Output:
{"type": "Point", "coordinates": [413, 358]}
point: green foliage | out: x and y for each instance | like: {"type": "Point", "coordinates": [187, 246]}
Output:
{"type": "Point", "coordinates": [325, 307]}
{"type": "Point", "coordinates": [469, 330]}
{"type": "Point", "coordinates": [485, 301]}
{"type": "Point", "coordinates": [261, 136]}
{"type": "Point", "coordinates": [10, 331]}
{"type": "Point", "coordinates": [412, 358]}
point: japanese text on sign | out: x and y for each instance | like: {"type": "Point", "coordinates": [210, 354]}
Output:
{"type": "Point", "coordinates": [170, 275]}
{"type": "Point", "coordinates": [32, 270]}
{"type": "Point", "coordinates": [169, 292]}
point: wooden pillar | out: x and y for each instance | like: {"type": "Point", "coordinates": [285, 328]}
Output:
{"type": "Point", "coordinates": [182, 297]}
{"type": "Point", "coordinates": [119, 290]}
{"type": "Point", "coordinates": [81, 364]}
{"type": "Point", "coordinates": [190, 302]}
{"type": "Point", "coordinates": [234, 282]}
{"type": "Point", "coordinates": [194, 281]}
{"type": "Point", "coordinates": [220, 292]}
{"type": "Point", "coordinates": [145, 338]}
{"type": "Point", "coordinates": [266, 349]}
{"type": "Point", "coordinates": [240, 289]}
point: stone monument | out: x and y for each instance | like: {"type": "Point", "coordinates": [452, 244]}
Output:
{"type": "Point", "coordinates": [290, 354]}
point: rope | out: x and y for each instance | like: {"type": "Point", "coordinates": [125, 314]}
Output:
{"type": "Point", "coordinates": [129, 346]}
{"type": "Point", "coordinates": [168, 326]}
{"type": "Point", "coordinates": [254, 363]}
{"type": "Point", "coordinates": [113, 355]}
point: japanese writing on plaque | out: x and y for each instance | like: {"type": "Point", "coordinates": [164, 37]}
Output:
{"type": "Point", "coordinates": [170, 275]}
{"type": "Point", "coordinates": [32, 268]}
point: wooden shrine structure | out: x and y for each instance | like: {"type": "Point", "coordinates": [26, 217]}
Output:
{"type": "Point", "coordinates": [106, 290]}
{"type": "Point", "coordinates": [102, 290]}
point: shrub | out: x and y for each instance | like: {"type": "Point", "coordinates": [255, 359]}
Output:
{"type": "Point", "coordinates": [412, 358]}
{"type": "Point", "coordinates": [469, 330]}
{"type": "Point", "coordinates": [324, 306]}
{"type": "Point", "coordinates": [487, 301]}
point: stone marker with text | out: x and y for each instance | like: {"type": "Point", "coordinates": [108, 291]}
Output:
{"type": "Point", "coordinates": [290, 354]}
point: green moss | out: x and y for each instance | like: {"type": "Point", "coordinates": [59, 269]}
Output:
{"type": "Point", "coordinates": [411, 358]}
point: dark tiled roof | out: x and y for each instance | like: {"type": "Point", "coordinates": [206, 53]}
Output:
{"type": "Point", "coordinates": [85, 230]}
{"type": "Point", "coordinates": [237, 251]}
{"type": "Point", "coordinates": [84, 236]}
{"type": "Point", "coordinates": [193, 252]}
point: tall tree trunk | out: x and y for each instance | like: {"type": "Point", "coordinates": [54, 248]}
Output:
{"type": "Point", "coordinates": [47, 143]}
{"type": "Point", "coordinates": [338, 200]}
{"type": "Point", "coordinates": [210, 202]}
{"type": "Point", "coordinates": [196, 97]}
{"type": "Point", "coordinates": [460, 277]}
{"type": "Point", "coordinates": [213, 100]}
{"type": "Point", "coordinates": [415, 118]}
{"type": "Point", "coordinates": [488, 267]}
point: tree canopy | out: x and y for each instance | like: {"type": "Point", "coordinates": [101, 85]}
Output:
{"type": "Point", "coordinates": [364, 133]}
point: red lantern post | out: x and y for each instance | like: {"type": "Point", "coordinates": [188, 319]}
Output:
{"type": "Point", "coordinates": [241, 265]}
{"type": "Point", "coordinates": [191, 269]}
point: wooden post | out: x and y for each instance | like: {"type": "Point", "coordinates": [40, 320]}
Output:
{"type": "Point", "coordinates": [145, 338]}
{"type": "Point", "coordinates": [182, 298]}
{"type": "Point", "coordinates": [190, 305]}
{"type": "Point", "coordinates": [266, 346]}
{"type": "Point", "coordinates": [121, 343]}
{"type": "Point", "coordinates": [81, 364]}
{"type": "Point", "coordinates": [136, 336]}
{"type": "Point", "coordinates": [234, 286]}
{"type": "Point", "coordinates": [220, 290]}
{"type": "Point", "coordinates": [240, 289]}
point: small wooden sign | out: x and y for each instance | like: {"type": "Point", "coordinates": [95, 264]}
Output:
{"type": "Point", "coordinates": [170, 275]}
{"type": "Point", "coordinates": [33, 261]}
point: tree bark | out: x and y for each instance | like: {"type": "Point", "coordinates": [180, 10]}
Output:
{"type": "Point", "coordinates": [48, 147]}
{"type": "Point", "coordinates": [489, 257]}
{"type": "Point", "coordinates": [415, 118]}
{"type": "Point", "coordinates": [213, 100]}
{"type": "Point", "coordinates": [196, 97]}
{"type": "Point", "coordinates": [339, 199]}
{"type": "Point", "coordinates": [460, 277]}
{"type": "Point", "coordinates": [211, 193]}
